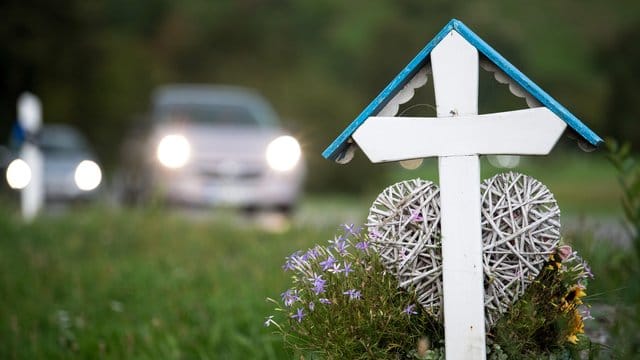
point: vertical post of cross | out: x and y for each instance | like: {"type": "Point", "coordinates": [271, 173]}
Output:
{"type": "Point", "coordinates": [30, 119]}
{"type": "Point", "coordinates": [455, 75]}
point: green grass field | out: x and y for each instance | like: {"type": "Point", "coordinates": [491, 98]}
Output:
{"type": "Point", "coordinates": [135, 284]}
{"type": "Point", "coordinates": [147, 284]}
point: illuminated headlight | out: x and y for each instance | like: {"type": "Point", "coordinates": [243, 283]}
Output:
{"type": "Point", "coordinates": [88, 175]}
{"type": "Point", "coordinates": [173, 151]}
{"type": "Point", "coordinates": [283, 153]}
{"type": "Point", "coordinates": [18, 174]}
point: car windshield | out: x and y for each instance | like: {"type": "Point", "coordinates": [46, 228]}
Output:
{"type": "Point", "coordinates": [210, 114]}
{"type": "Point", "coordinates": [61, 140]}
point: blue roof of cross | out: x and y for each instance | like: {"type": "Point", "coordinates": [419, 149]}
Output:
{"type": "Point", "coordinates": [334, 150]}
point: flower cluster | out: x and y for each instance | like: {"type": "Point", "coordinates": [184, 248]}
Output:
{"type": "Point", "coordinates": [342, 294]}
{"type": "Point", "coordinates": [575, 273]}
{"type": "Point", "coordinates": [343, 303]}
{"type": "Point", "coordinates": [314, 268]}
{"type": "Point", "coordinates": [550, 316]}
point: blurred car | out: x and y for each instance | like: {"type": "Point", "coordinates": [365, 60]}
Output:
{"type": "Point", "coordinates": [71, 171]}
{"type": "Point", "coordinates": [217, 145]}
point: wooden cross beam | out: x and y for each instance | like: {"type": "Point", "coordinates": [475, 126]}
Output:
{"type": "Point", "coordinates": [457, 137]}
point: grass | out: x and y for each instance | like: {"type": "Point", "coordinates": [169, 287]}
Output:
{"type": "Point", "coordinates": [140, 284]}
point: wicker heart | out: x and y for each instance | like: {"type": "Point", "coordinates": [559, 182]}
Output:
{"type": "Point", "coordinates": [520, 228]}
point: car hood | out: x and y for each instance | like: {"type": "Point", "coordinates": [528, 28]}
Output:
{"type": "Point", "coordinates": [223, 142]}
{"type": "Point", "coordinates": [64, 163]}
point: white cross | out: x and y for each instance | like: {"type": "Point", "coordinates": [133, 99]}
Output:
{"type": "Point", "coordinates": [457, 137]}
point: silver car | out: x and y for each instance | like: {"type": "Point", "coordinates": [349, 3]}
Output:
{"type": "Point", "coordinates": [70, 168]}
{"type": "Point", "coordinates": [213, 145]}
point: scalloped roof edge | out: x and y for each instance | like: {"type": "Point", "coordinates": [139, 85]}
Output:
{"type": "Point", "coordinates": [339, 145]}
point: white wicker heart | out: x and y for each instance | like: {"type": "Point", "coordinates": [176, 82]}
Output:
{"type": "Point", "coordinates": [404, 226]}
{"type": "Point", "coordinates": [520, 229]}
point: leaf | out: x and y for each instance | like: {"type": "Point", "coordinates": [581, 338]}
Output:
{"type": "Point", "coordinates": [628, 165]}
{"type": "Point", "coordinates": [624, 151]}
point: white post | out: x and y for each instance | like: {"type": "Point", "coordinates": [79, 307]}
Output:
{"type": "Point", "coordinates": [30, 119]}
{"type": "Point", "coordinates": [455, 75]}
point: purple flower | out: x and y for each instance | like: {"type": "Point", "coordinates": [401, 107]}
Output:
{"type": "Point", "coordinates": [587, 269]}
{"type": "Point", "coordinates": [327, 264]}
{"type": "Point", "coordinates": [363, 245]}
{"type": "Point", "coordinates": [318, 284]}
{"type": "Point", "coordinates": [415, 216]}
{"type": "Point", "coordinates": [269, 320]}
{"type": "Point", "coordinates": [351, 229]}
{"type": "Point", "coordinates": [347, 268]}
{"type": "Point", "coordinates": [298, 315]}
{"type": "Point", "coordinates": [353, 294]}
{"type": "Point", "coordinates": [311, 305]}
{"type": "Point", "coordinates": [335, 268]}
{"type": "Point", "coordinates": [312, 253]}
{"type": "Point", "coordinates": [564, 252]}
{"type": "Point", "coordinates": [410, 310]}
{"type": "Point", "coordinates": [318, 288]}
{"type": "Point", "coordinates": [341, 245]}
{"type": "Point", "coordinates": [290, 296]}
{"type": "Point", "coordinates": [404, 253]}
{"type": "Point", "coordinates": [291, 261]}
{"type": "Point", "coordinates": [324, 301]}
{"type": "Point", "coordinates": [586, 313]}
{"type": "Point", "coordinates": [288, 265]}
{"type": "Point", "coordinates": [315, 279]}
{"type": "Point", "coordinates": [375, 234]}
{"type": "Point", "coordinates": [337, 239]}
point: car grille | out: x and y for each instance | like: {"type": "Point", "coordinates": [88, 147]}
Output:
{"type": "Point", "coordinates": [226, 170]}
{"type": "Point", "coordinates": [217, 175]}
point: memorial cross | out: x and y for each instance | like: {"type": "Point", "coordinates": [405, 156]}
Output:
{"type": "Point", "coordinates": [457, 136]}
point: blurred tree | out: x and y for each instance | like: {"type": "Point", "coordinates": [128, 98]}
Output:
{"type": "Point", "coordinates": [43, 50]}
{"type": "Point", "coordinates": [94, 63]}
{"type": "Point", "coordinates": [619, 62]}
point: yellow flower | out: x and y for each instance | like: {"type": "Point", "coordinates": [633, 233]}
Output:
{"type": "Point", "coordinates": [555, 262]}
{"type": "Point", "coordinates": [576, 326]}
{"type": "Point", "coordinates": [575, 294]}
{"type": "Point", "coordinates": [554, 265]}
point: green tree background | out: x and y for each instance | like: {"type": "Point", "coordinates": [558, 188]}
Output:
{"type": "Point", "coordinates": [94, 63]}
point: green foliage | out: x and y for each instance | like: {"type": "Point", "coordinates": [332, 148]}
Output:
{"type": "Point", "coordinates": [628, 174]}
{"type": "Point", "coordinates": [548, 318]}
{"type": "Point", "coordinates": [357, 313]}
{"type": "Point", "coordinates": [628, 317]}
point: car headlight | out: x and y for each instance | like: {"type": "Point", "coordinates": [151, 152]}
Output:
{"type": "Point", "coordinates": [173, 151]}
{"type": "Point", "coordinates": [18, 174]}
{"type": "Point", "coordinates": [283, 153]}
{"type": "Point", "coordinates": [88, 175]}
